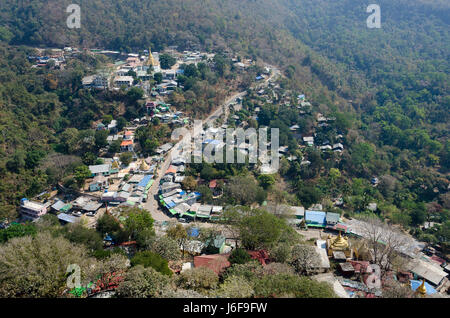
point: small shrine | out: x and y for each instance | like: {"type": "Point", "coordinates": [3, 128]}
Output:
{"type": "Point", "coordinates": [338, 244]}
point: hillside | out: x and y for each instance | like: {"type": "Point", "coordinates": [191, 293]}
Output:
{"type": "Point", "coordinates": [391, 83]}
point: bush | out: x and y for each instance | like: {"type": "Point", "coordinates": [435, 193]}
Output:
{"type": "Point", "coordinates": [142, 282]}
{"type": "Point", "coordinates": [200, 279]}
{"type": "Point", "coordinates": [17, 230]}
{"type": "Point", "coordinates": [36, 267]}
{"type": "Point", "coordinates": [250, 271]}
{"type": "Point", "coordinates": [164, 246]}
{"type": "Point", "coordinates": [77, 233]}
{"type": "Point", "coordinates": [153, 260]}
{"type": "Point", "coordinates": [280, 253]}
{"type": "Point", "coordinates": [284, 285]}
{"type": "Point", "coordinates": [235, 287]}
{"type": "Point", "coordinates": [239, 256]}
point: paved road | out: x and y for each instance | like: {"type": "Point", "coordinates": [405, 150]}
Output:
{"type": "Point", "coordinates": [152, 201]}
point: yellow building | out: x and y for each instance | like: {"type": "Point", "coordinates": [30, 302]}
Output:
{"type": "Point", "coordinates": [338, 244]}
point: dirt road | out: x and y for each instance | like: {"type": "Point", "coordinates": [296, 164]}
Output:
{"type": "Point", "coordinates": [152, 201]}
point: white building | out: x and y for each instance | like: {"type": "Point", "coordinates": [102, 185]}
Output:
{"type": "Point", "coordinates": [123, 81]}
{"type": "Point", "coordinates": [32, 210]}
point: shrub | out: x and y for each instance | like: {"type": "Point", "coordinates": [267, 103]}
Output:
{"type": "Point", "coordinates": [142, 282]}
{"type": "Point", "coordinates": [200, 279]}
{"type": "Point", "coordinates": [290, 286]}
{"type": "Point", "coordinates": [239, 256]}
{"type": "Point", "coordinates": [153, 260]}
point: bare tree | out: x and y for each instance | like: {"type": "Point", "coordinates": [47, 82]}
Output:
{"type": "Point", "coordinates": [304, 259]}
{"type": "Point", "coordinates": [394, 289]}
{"type": "Point", "coordinates": [384, 242]}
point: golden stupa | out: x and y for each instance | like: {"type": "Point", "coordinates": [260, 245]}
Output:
{"type": "Point", "coordinates": [422, 290]}
{"type": "Point", "coordinates": [338, 243]}
{"type": "Point", "coordinates": [151, 60]}
{"type": "Point", "coordinates": [144, 166]}
{"type": "Point", "coordinates": [115, 165]}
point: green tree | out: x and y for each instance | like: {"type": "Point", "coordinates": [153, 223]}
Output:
{"type": "Point", "coordinates": [36, 267]}
{"type": "Point", "coordinates": [81, 174]}
{"type": "Point", "coordinates": [138, 221]}
{"type": "Point", "coordinates": [166, 61]}
{"type": "Point", "coordinates": [260, 229]}
{"type": "Point", "coordinates": [158, 77]}
{"type": "Point", "coordinates": [284, 285]}
{"type": "Point", "coordinates": [134, 94]}
{"type": "Point", "coordinates": [266, 180]}
{"type": "Point", "coordinates": [107, 224]}
{"type": "Point", "coordinates": [153, 260]}
{"type": "Point", "coordinates": [164, 246]}
{"type": "Point", "coordinates": [77, 233]}
{"type": "Point", "coordinates": [100, 138]}
{"type": "Point", "coordinates": [239, 256]}
{"type": "Point", "coordinates": [17, 230]}
{"type": "Point", "coordinates": [235, 287]}
{"type": "Point", "coordinates": [126, 158]}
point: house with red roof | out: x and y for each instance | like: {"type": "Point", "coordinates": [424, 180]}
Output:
{"type": "Point", "coordinates": [127, 145]}
{"type": "Point", "coordinates": [215, 262]}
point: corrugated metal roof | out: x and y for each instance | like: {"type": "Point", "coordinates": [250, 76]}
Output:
{"type": "Point", "coordinates": [316, 217]}
{"type": "Point", "coordinates": [67, 218]}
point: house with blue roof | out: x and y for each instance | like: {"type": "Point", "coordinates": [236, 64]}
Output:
{"type": "Point", "coordinates": [315, 218]}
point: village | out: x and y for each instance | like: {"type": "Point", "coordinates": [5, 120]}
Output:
{"type": "Point", "coordinates": [156, 183]}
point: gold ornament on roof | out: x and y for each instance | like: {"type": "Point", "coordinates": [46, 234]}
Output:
{"type": "Point", "coordinates": [339, 242]}
{"type": "Point", "coordinates": [422, 289]}
{"type": "Point", "coordinates": [115, 165]}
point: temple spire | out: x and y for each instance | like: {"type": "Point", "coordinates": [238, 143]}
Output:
{"type": "Point", "coordinates": [422, 289]}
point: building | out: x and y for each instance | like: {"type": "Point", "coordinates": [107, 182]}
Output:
{"type": "Point", "coordinates": [67, 218]}
{"type": "Point", "coordinates": [100, 170]}
{"type": "Point", "coordinates": [216, 262]}
{"type": "Point", "coordinates": [338, 244]}
{"type": "Point", "coordinates": [315, 218]}
{"type": "Point", "coordinates": [204, 211]}
{"type": "Point", "coordinates": [99, 183]}
{"type": "Point", "coordinates": [169, 186]}
{"type": "Point", "coordinates": [433, 274]}
{"type": "Point", "coordinates": [88, 81]}
{"type": "Point", "coordinates": [124, 81]}
{"type": "Point", "coordinates": [164, 148]}
{"type": "Point", "coordinates": [101, 81]}
{"type": "Point", "coordinates": [309, 141]}
{"type": "Point", "coordinates": [332, 218]}
{"type": "Point", "coordinates": [32, 210]}
{"type": "Point", "coordinates": [127, 146]}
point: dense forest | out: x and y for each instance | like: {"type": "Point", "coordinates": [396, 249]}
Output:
{"type": "Point", "coordinates": [390, 84]}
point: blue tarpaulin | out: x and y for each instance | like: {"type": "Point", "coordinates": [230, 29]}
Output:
{"type": "Point", "coordinates": [145, 181]}
{"type": "Point", "coordinates": [416, 283]}
{"type": "Point", "coordinates": [194, 232]}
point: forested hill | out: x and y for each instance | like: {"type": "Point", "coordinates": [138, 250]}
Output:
{"type": "Point", "coordinates": [412, 31]}
{"type": "Point", "coordinates": [396, 77]}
